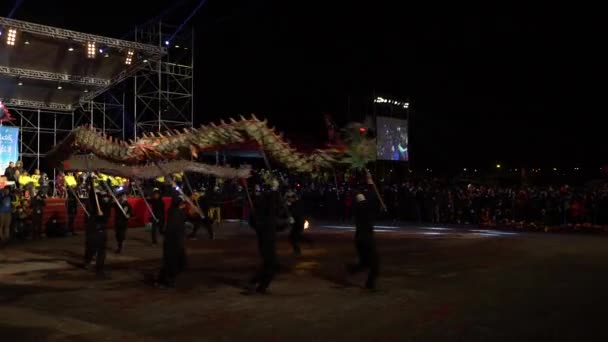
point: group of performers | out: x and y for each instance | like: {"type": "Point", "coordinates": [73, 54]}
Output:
{"type": "Point", "coordinates": [271, 211]}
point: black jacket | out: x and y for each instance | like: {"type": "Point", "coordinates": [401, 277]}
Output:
{"type": "Point", "coordinates": [9, 173]}
{"type": "Point", "coordinates": [158, 208]}
{"type": "Point", "coordinates": [175, 231]}
{"type": "Point", "coordinates": [72, 204]}
{"type": "Point", "coordinates": [119, 217]}
{"type": "Point", "coordinates": [38, 206]}
{"type": "Point", "coordinates": [296, 210]}
{"type": "Point", "coordinates": [267, 210]}
{"type": "Point", "coordinates": [364, 219]}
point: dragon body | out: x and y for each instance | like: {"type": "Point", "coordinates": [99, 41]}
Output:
{"type": "Point", "coordinates": [180, 145]}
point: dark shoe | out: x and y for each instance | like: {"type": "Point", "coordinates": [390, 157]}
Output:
{"type": "Point", "coordinates": [102, 276]}
{"type": "Point", "coordinates": [261, 291]}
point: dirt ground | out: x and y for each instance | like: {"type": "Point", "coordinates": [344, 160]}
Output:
{"type": "Point", "coordinates": [460, 286]}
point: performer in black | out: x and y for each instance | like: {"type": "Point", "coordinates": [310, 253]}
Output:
{"type": "Point", "coordinates": [38, 204]}
{"type": "Point", "coordinates": [96, 235]}
{"type": "Point", "coordinates": [296, 210]}
{"type": "Point", "coordinates": [206, 221]}
{"type": "Point", "coordinates": [264, 221]}
{"type": "Point", "coordinates": [72, 210]}
{"type": "Point", "coordinates": [121, 221]}
{"type": "Point", "coordinates": [174, 250]}
{"type": "Point", "coordinates": [364, 239]}
{"type": "Point", "coordinates": [158, 208]}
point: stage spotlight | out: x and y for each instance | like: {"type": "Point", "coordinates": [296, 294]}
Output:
{"type": "Point", "coordinates": [11, 37]}
{"type": "Point", "coordinates": [59, 87]}
{"type": "Point", "coordinates": [20, 83]}
{"type": "Point", "coordinates": [177, 46]}
{"type": "Point", "coordinates": [71, 48]}
{"type": "Point", "coordinates": [106, 55]}
{"type": "Point", "coordinates": [86, 90]}
{"type": "Point", "coordinates": [167, 42]}
{"type": "Point", "coordinates": [27, 42]}
{"type": "Point", "coordinates": [91, 50]}
{"type": "Point", "coordinates": [129, 57]}
{"type": "Point", "coordinates": [145, 61]}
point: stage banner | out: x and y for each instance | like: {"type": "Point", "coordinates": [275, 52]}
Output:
{"type": "Point", "coordinates": [9, 148]}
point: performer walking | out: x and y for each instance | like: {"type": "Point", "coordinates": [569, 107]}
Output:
{"type": "Point", "coordinates": [296, 210]}
{"type": "Point", "coordinates": [265, 221]}
{"type": "Point", "coordinates": [205, 222]}
{"type": "Point", "coordinates": [38, 204]}
{"type": "Point", "coordinates": [158, 208]}
{"type": "Point", "coordinates": [72, 210]}
{"type": "Point", "coordinates": [121, 221]}
{"type": "Point", "coordinates": [364, 239]}
{"type": "Point", "coordinates": [96, 235]}
{"type": "Point", "coordinates": [174, 250]}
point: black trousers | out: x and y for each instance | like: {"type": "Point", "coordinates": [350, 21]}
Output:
{"type": "Point", "coordinates": [71, 218]}
{"type": "Point", "coordinates": [156, 228]}
{"type": "Point", "coordinates": [36, 226]}
{"type": "Point", "coordinates": [120, 232]}
{"type": "Point", "coordinates": [267, 249]}
{"type": "Point", "coordinates": [295, 237]}
{"type": "Point", "coordinates": [205, 223]}
{"type": "Point", "coordinates": [368, 259]}
{"type": "Point", "coordinates": [95, 246]}
{"type": "Point", "coordinates": [174, 262]}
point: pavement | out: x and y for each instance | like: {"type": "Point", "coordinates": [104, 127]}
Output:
{"type": "Point", "coordinates": [436, 284]}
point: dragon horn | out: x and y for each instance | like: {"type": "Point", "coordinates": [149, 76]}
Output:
{"type": "Point", "coordinates": [243, 118]}
{"type": "Point", "coordinates": [222, 122]}
{"type": "Point", "coordinates": [254, 118]}
{"type": "Point", "coordinates": [232, 120]}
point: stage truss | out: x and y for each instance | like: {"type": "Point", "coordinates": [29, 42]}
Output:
{"type": "Point", "coordinates": [164, 88]}
{"type": "Point", "coordinates": [153, 94]}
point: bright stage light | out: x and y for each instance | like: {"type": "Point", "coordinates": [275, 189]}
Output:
{"type": "Point", "coordinates": [306, 224]}
{"type": "Point", "coordinates": [91, 50]}
{"type": "Point", "coordinates": [59, 87]}
{"type": "Point", "coordinates": [11, 37]}
{"type": "Point", "coordinates": [71, 48]}
{"type": "Point", "coordinates": [20, 83]}
{"type": "Point", "coordinates": [167, 42]}
{"type": "Point", "coordinates": [129, 57]}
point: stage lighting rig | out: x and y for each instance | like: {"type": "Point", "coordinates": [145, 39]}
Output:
{"type": "Point", "coordinates": [129, 57]}
{"type": "Point", "coordinates": [11, 37]}
{"type": "Point", "coordinates": [91, 50]}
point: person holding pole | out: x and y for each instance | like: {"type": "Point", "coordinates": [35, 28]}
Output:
{"type": "Point", "coordinates": [121, 221]}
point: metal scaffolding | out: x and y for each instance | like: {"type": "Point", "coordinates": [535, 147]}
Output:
{"type": "Point", "coordinates": [153, 94]}
{"type": "Point", "coordinates": [164, 88]}
{"type": "Point", "coordinates": [40, 129]}
{"type": "Point", "coordinates": [102, 100]}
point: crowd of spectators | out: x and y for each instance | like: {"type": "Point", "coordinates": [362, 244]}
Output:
{"type": "Point", "coordinates": [418, 201]}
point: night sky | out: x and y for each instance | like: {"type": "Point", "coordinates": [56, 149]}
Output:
{"type": "Point", "coordinates": [516, 85]}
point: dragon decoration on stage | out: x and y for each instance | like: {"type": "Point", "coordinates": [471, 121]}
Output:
{"type": "Point", "coordinates": [174, 148]}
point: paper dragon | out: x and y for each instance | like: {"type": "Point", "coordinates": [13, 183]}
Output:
{"type": "Point", "coordinates": [175, 148]}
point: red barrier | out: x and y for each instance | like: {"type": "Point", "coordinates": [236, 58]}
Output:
{"type": "Point", "coordinates": [57, 206]}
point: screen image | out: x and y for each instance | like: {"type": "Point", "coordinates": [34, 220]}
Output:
{"type": "Point", "coordinates": [392, 139]}
{"type": "Point", "coordinates": [9, 146]}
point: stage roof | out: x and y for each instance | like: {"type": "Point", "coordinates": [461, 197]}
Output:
{"type": "Point", "coordinates": [54, 69]}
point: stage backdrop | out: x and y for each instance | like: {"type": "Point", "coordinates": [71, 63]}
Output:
{"type": "Point", "coordinates": [9, 148]}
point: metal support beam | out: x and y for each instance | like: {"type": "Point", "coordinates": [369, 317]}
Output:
{"type": "Point", "coordinates": [79, 37]}
{"type": "Point", "coordinates": [37, 105]}
{"type": "Point", "coordinates": [54, 77]}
